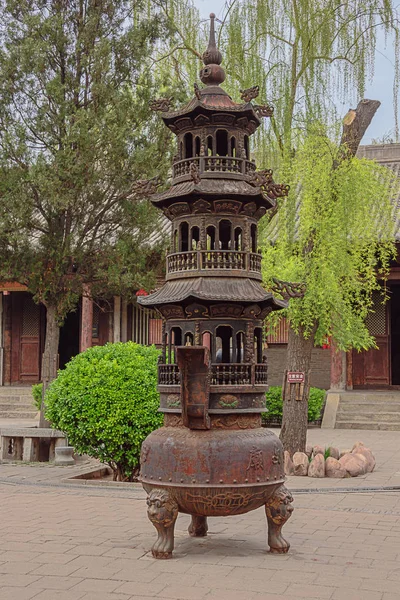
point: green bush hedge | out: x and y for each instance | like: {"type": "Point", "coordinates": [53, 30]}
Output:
{"type": "Point", "coordinates": [37, 395]}
{"type": "Point", "coordinates": [274, 404]}
{"type": "Point", "coordinates": [106, 402]}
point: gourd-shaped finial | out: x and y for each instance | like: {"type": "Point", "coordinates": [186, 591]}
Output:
{"type": "Point", "coordinates": [212, 73]}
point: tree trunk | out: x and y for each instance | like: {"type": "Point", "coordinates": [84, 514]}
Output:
{"type": "Point", "coordinates": [295, 401]}
{"type": "Point", "coordinates": [295, 412]}
{"type": "Point", "coordinates": [50, 355]}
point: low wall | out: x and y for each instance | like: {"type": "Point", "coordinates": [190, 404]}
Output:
{"type": "Point", "coordinates": [320, 366]}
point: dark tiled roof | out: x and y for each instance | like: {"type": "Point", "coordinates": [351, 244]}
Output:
{"type": "Point", "coordinates": [232, 289]}
{"type": "Point", "coordinates": [211, 187]}
{"type": "Point", "coordinates": [220, 102]}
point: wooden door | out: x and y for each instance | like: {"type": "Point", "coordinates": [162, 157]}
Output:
{"type": "Point", "coordinates": [25, 339]}
{"type": "Point", "coordinates": [372, 368]}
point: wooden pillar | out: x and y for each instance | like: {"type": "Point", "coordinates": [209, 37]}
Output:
{"type": "Point", "coordinates": [124, 321]}
{"type": "Point", "coordinates": [1, 338]}
{"type": "Point", "coordinates": [7, 338]}
{"type": "Point", "coordinates": [86, 320]}
{"type": "Point", "coordinates": [117, 318]}
{"type": "Point", "coordinates": [338, 368]}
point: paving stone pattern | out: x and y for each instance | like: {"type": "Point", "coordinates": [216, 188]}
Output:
{"type": "Point", "coordinates": [82, 542]}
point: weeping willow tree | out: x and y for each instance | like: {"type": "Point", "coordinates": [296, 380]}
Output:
{"type": "Point", "coordinates": [339, 247]}
{"type": "Point", "coordinates": [307, 58]}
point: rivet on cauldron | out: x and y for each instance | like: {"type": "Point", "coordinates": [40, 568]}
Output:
{"type": "Point", "coordinates": [258, 479]}
{"type": "Point", "coordinates": [275, 477]}
{"type": "Point", "coordinates": [234, 481]}
{"type": "Point", "coordinates": [246, 480]}
{"type": "Point", "coordinates": [170, 479]}
{"type": "Point", "coordinates": [181, 480]}
{"type": "Point", "coordinates": [221, 481]}
{"type": "Point", "coordinates": [207, 481]}
{"type": "Point", "coordinates": [159, 479]}
{"type": "Point", "coordinates": [193, 481]}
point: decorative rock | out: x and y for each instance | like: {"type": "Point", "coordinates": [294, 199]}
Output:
{"type": "Point", "coordinates": [64, 456]}
{"type": "Point", "coordinates": [355, 464]}
{"type": "Point", "coordinates": [334, 452]}
{"type": "Point", "coordinates": [288, 464]}
{"type": "Point", "coordinates": [359, 448]}
{"type": "Point", "coordinates": [317, 466]}
{"type": "Point", "coordinates": [356, 445]}
{"type": "Point", "coordinates": [309, 451]}
{"type": "Point", "coordinates": [318, 450]}
{"type": "Point", "coordinates": [300, 462]}
{"type": "Point", "coordinates": [333, 468]}
{"type": "Point", "coordinates": [343, 452]}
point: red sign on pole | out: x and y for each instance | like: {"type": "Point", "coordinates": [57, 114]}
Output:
{"type": "Point", "coordinates": [295, 377]}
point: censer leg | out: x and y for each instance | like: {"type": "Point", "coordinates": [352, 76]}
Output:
{"type": "Point", "coordinates": [162, 511]}
{"type": "Point", "coordinates": [198, 526]}
{"type": "Point", "coordinates": [278, 509]}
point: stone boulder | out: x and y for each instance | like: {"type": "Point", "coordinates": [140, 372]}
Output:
{"type": "Point", "coordinates": [343, 452]}
{"type": "Point", "coordinates": [318, 450]}
{"type": "Point", "coordinates": [288, 464]}
{"type": "Point", "coordinates": [333, 468]}
{"type": "Point", "coordinates": [300, 462]}
{"type": "Point", "coordinates": [359, 448]}
{"type": "Point", "coordinates": [334, 452]}
{"type": "Point", "coordinates": [317, 466]}
{"type": "Point", "coordinates": [309, 451]}
{"type": "Point", "coordinates": [355, 464]}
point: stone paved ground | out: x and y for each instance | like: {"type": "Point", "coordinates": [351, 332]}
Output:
{"type": "Point", "coordinates": [63, 542]}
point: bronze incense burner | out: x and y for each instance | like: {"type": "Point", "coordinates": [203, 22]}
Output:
{"type": "Point", "coordinates": [212, 457]}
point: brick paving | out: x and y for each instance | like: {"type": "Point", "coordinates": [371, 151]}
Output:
{"type": "Point", "coordinates": [69, 542]}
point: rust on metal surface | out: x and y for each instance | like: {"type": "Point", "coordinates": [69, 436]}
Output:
{"type": "Point", "coordinates": [194, 366]}
{"type": "Point", "coordinates": [212, 457]}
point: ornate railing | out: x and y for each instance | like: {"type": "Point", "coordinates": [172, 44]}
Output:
{"type": "Point", "coordinates": [182, 261]}
{"type": "Point", "coordinates": [230, 374]}
{"type": "Point", "coordinates": [212, 164]}
{"type": "Point", "coordinates": [221, 374]}
{"type": "Point", "coordinates": [255, 262]}
{"type": "Point", "coordinates": [223, 259]}
{"type": "Point", "coordinates": [182, 167]}
{"type": "Point", "coordinates": [168, 375]}
{"type": "Point", "coordinates": [213, 259]}
{"type": "Point", "coordinates": [261, 374]}
{"type": "Point", "coordinates": [222, 164]}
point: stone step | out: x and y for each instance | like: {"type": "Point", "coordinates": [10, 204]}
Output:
{"type": "Point", "coordinates": [10, 390]}
{"type": "Point", "coordinates": [370, 425]}
{"type": "Point", "coordinates": [351, 416]}
{"type": "Point", "coordinates": [378, 397]}
{"type": "Point", "coordinates": [15, 400]}
{"type": "Point", "coordinates": [392, 407]}
{"type": "Point", "coordinates": [13, 414]}
{"type": "Point", "coordinates": [26, 406]}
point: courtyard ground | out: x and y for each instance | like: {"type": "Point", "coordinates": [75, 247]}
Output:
{"type": "Point", "coordinates": [63, 541]}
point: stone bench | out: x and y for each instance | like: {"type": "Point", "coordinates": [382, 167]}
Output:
{"type": "Point", "coordinates": [24, 443]}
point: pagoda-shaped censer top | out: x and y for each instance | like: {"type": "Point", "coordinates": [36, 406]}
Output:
{"type": "Point", "coordinates": [212, 456]}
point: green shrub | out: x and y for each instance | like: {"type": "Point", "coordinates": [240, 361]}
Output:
{"type": "Point", "coordinates": [106, 402]}
{"type": "Point", "coordinates": [274, 404]}
{"type": "Point", "coordinates": [37, 395]}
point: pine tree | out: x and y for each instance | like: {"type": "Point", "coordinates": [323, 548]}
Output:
{"type": "Point", "coordinates": [80, 151]}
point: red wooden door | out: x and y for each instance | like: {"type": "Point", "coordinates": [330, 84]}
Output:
{"type": "Point", "coordinates": [372, 368]}
{"type": "Point", "coordinates": [25, 349]}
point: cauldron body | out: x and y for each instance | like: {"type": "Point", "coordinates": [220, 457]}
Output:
{"type": "Point", "coordinates": [216, 472]}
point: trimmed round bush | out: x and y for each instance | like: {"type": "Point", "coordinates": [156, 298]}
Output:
{"type": "Point", "coordinates": [275, 405]}
{"type": "Point", "coordinates": [106, 402]}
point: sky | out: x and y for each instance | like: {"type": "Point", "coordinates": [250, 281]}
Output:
{"type": "Point", "coordinates": [381, 87]}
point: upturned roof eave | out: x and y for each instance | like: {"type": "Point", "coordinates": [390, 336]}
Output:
{"type": "Point", "coordinates": [196, 106]}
